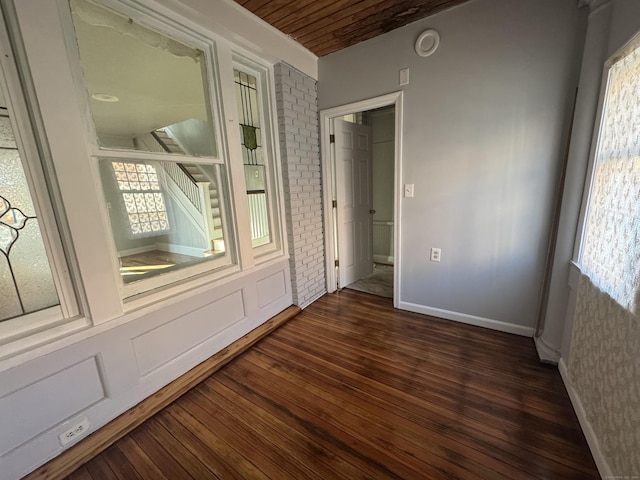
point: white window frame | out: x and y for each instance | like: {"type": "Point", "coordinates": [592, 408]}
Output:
{"type": "Point", "coordinates": [169, 27]}
{"type": "Point", "coordinates": [25, 331]}
{"type": "Point", "coordinates": [51, 43]}
{"type": "Point", "coordinates": [264, 77]}
{"type": "Point", "coordinates": [578, 247]}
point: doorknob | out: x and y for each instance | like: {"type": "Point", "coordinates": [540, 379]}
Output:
{"type": "Point", "coordinates": [372, 211]}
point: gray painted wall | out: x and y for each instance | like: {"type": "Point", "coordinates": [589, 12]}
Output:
{"type": "Point", "coordinates": [485, 127]}
{"type": "Point", "coordinates": [383, 150]}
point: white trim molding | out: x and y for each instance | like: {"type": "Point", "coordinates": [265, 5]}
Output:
{"type": "Point", "coordinates": [587, 429]}
{"type": "Point", "coordinates": [468, 319]}
{"type": "Point", "coordinates": [328, 181]}
{"type": "Point", "coordinates": [546, 353]}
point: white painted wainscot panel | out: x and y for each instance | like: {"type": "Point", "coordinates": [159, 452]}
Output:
{"type": "Point", "coordinates": [109, 370]}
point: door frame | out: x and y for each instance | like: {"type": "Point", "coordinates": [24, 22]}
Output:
{"type": "Point", "coordinates": [328, 182]}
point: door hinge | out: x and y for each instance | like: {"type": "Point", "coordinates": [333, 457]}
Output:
{"type": "Point", "coordinates": [332, 138]}
{"type": "Point", "coordinates": [337, 262]}
{"type": "Point", "coordinates": [334, 203]}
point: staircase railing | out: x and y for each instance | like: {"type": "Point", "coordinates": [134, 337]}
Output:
{"type": "Point", "coordinates": [185, 182]}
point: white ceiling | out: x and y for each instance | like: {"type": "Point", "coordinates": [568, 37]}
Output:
{"type": "Point", "coordinates": [156, 87]}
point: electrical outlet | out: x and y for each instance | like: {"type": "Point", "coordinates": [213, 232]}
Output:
{"type": "Point", "coordinates": [74, 432]}
{"type": "Point", "coordinates": [436, 253]}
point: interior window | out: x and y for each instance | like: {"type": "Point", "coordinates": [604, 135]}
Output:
{"type": "Point", "coordinates": [142, 84]}
{"type": "Point", "coordinates": [148, 95]}
{"type": "Point", "coordinates": [253, 155]}
{"type": "Point", "coordinates": [26, 282]}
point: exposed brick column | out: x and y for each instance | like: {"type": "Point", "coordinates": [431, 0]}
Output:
{"type": "Point", "coordinates": [296, 100]}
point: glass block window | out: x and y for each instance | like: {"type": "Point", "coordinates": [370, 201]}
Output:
{"type": "Point", "coordinates": [143, 199]}
{"type": "Point", "coordinates": [251, 132]}
{"type": "Point", "coordinates": [26, 281]}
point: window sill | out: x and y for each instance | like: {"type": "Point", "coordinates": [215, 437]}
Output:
{"type": "Point", "coordinates": [23, 347]}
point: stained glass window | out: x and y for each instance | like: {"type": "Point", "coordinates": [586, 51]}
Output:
{"type": "Point", "coordinates": [253, 155]}
{"type": "Point", "coordinates": [26, 282]}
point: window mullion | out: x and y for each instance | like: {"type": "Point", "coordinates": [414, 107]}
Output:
{"type": "Point", "coordinates": [236, 167]}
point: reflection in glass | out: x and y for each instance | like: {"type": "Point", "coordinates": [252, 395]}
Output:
{"type": "Point", "coordinates": [253, 155]}
{"type": "Point", "coordinates": [140, 81]}
{"type": "Point", "coordinates": [164, 215]}
{"type": "Point", "coordinates": [26, 282]}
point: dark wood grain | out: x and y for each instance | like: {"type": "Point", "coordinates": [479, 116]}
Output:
{"type": "Point", "coordinates": [352, 389]}
{"type": "Point", "coordinates": [325, 26]}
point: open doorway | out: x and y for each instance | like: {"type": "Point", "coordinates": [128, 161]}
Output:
{"type": "Point", "coordinates": [378, 127]}
{"type": "Point", "coordinates": [361, 164]}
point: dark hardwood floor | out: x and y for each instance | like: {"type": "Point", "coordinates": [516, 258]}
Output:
{"type": "Point", "coordinates": [350, 389]}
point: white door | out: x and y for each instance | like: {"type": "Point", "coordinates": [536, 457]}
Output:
{"type": "Point", "coordinates": [354, 215]}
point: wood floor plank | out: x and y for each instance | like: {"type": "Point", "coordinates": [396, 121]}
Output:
{"type": "Point", "coordinates": [353, 389]}
{"type": "Point", "coordinates": [122, 468]}
{"type": "Point", "coordinates": [479, 415]}
{"type": "Point", "coordinates": [387, 428]}
{"type": "Point", "coordinates": [421, 410]}
{"type": "Point", "coordinates": [211, 456]}
{"type": "Point", "coordinates": [80, 474]}
{"type": "Point", "coordinates": [157, 452]}
{"type": "Point", "coordinates": [138, 458]}
{"type": "Point", "coordinates": [320, 462]}
{"type": "Point", "coordinates": [99, 469]}
{"type": "Point", "coordinates": [175, 447]}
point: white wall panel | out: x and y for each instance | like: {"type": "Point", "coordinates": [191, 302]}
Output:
{"type": "Point", "coordinates": [271, 289]}
{"type": "Point", "coordinates": [164, 343]}
{"type": "Point", "coordinates": [46, 396]}
{"type": "Point", "coordinates": [37, 407]}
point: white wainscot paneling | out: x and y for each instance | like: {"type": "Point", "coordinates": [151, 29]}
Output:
{"type": "Point", "coordinates": [44, 397]}
{"type": "Point", "coordinates": [271, 288]}
{"type": "Point", "coordinates": [167, 342]}
{"type": "Point", "coordinates": [39, 406]}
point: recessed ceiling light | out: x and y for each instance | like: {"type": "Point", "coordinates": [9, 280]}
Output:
{"type": "Point", "coordinates": [105, 97]}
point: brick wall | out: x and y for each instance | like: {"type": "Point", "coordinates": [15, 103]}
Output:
{"type": "Point", "coordinates": [296, 101]}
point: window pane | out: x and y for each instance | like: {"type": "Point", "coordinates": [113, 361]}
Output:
{"type": "Point", "coordinates": [611, 248]}
{"type": "Point", "coordinates": [251, 126]}
{"type": "Point", "coordinates": [142, 85]}
{"type": "Point", "coordinates": [164, 215]}
{"type": "Point", "coordinates": [26, 282]}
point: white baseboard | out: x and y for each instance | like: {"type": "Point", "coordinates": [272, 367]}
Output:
{"type": "Point", "coordinates": [469, 319]}
{"type": "Point", "coordinates": [587, 429]}
{"type": "Point", "coordinates": [383, 259]}
{"type": "Point", "coordinates": [546, 353]}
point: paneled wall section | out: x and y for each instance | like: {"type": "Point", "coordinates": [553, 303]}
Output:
{"type": "Point", "coordinates": [296, 100]}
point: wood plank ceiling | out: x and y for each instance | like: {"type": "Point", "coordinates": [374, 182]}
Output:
{"type": "Point", "coordinates": [326, 26]}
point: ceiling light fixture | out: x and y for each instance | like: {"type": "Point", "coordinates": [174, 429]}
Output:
{"type": "Point", "coordinates": [105, 97]}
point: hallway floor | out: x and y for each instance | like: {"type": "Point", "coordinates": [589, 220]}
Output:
{"type": "Point", "coordinates": [380, 282]}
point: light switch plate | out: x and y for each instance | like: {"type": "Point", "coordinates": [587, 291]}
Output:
{"type": "Point", "coordinates": [404, 76]}
{"type": "Point", "coordinates": [408, 190]}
